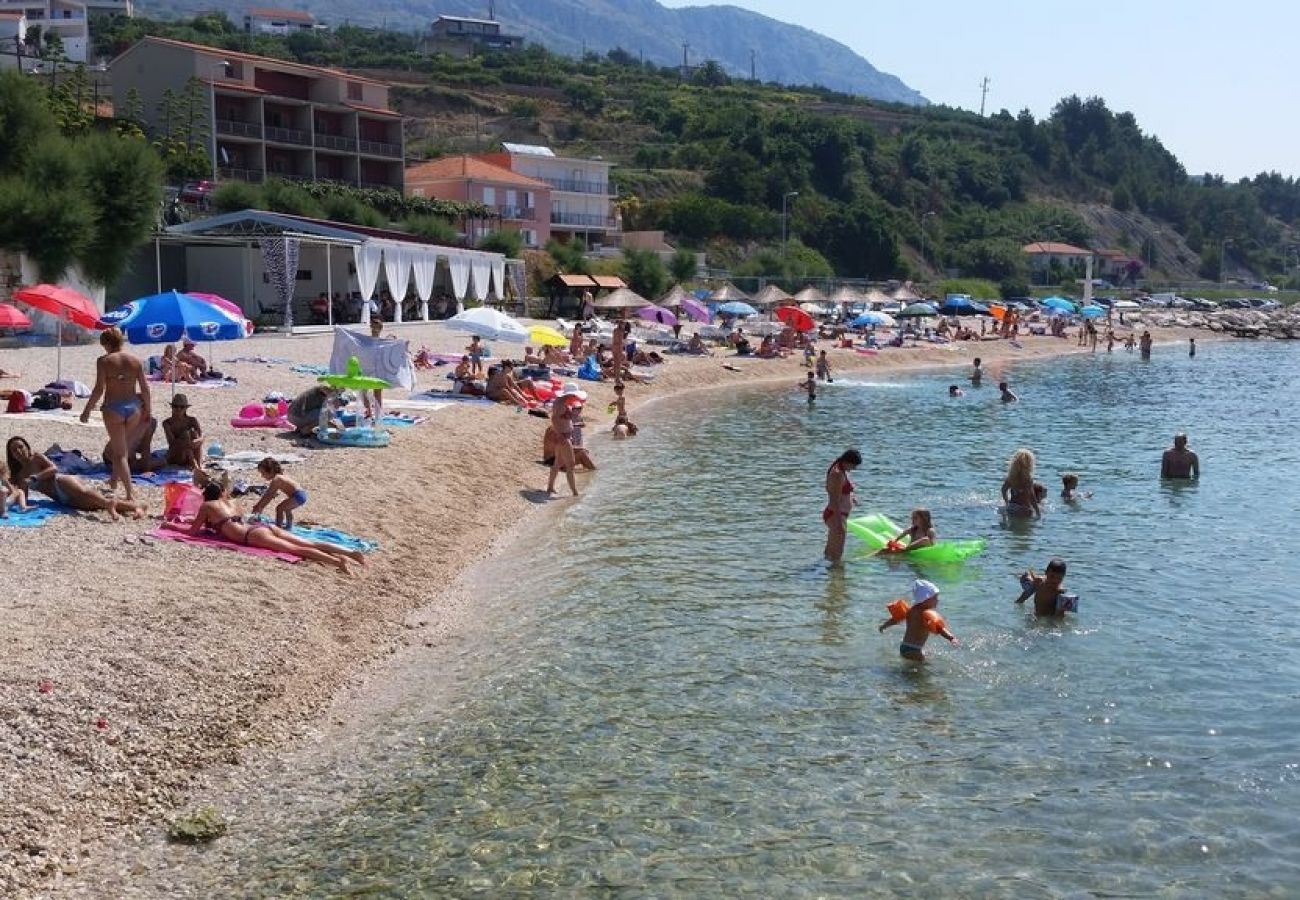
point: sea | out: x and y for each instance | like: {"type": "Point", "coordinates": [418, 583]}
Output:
{"type": "Point", "coordinates": [674, 696]}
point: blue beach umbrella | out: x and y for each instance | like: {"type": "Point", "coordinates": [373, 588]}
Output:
{"type": "Point", "coordinates": [170, 316]}
{"type": "Point", "coordinates": [958, 305]}
{"type": "Point", "coordinates": [871, 320]}
{"type": "Point", "coordinates": [1092, 311]}
{"type": "Point", "coordinates": [737, 308]}
{"type": "Point", "coordinates": [1059, 303]}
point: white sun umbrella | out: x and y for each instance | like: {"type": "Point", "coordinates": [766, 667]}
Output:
{"type": "Point", "coordinates": [489, 323]}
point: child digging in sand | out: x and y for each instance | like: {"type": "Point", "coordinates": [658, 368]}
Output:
{"type": "Point", "coordinates": [279, 483]}
{"type": "Point", "coordinates": [922, 620]}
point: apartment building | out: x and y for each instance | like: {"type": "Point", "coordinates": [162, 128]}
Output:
{"type": "Point", "coordinates": [266, 20]}
{"type": "Point", "coordinates": [66, 18]}
{"type": "Point", "coordinates": [522, 204]}
{"type": "Point", "coordinates": [582, 201]}
{"type": "Point", "coordinates": [458, 35]}
{"type": "Point", "coordinates": [272, 118]}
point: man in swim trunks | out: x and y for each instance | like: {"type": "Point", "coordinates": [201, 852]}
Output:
{"type": "Point", "coordinates": [198, 365]}
{"type": "Point", "coordinates": [1179, 462]}
{"type": "Point", "coordinates": [1144, 345]}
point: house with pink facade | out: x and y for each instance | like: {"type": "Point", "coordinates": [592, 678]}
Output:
{"type": "Point", "coordinates": [522, 203]}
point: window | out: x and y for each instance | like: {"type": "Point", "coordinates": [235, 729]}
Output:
{"type": "Point", "coordinates": [354, 91]}
{"type": "Point", "coordinates": [512, 199]}
{"type": "Point", "coordinates": [417, 192]}
{"type": "Point", "coordinates": [529, 200]}
{"type": "Point", "coordinates": [489, 196]}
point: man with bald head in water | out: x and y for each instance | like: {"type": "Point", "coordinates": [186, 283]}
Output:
{"type": "Point", "coordinates": [1179, 462]}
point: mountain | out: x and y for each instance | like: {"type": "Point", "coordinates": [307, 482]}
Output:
{"type": "Point", "coordinates": [784, 53]}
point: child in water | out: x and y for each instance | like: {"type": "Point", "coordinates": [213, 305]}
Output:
{"type": "Point", "coordinates": [921, 619]}
{"type": "Point", "coordinates": [1069, 485]}
{"type": "Point", "coordinates": [977, 373]}
{"type": "Point", "coordinates": [1007, 395]}
{"type": "Point", "coordinates": [619, 409]}
{"type": "Point", "coordinates": [954, 391]}
{"type": "Point", "coordinates": [824, 368]}
{"type": "Point", "coordinates": [809, 386]}
{"type": "Point", "coordinates": [1048, 590]}
{"type": "Point", "coordinates": [294, 495]}
{"type": "Point", "coordinates": [809, 354]}
{"type": "Point", "coordinates": [919, 534]}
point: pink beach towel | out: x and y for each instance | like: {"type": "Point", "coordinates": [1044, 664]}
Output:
{"type": "Point", "coordinates": [167, 534]}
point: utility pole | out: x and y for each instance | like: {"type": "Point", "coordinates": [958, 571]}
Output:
{"type": "Point", "coordinates": [492, 10]}
{"type": "Point", "coordinates": [984, 94]}
{"type": "Point", "coordinates": [753, 66]}
{"type": "Point", "coordinates": [686, 64]}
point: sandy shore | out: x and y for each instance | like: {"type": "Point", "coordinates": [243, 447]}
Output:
{"type": "Point", "coordinates": [131, 669]}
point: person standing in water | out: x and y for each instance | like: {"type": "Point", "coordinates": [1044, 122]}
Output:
{"type": "Point", "coordinates": [977, 374]}
{"type": "Point", "coordinates": [1144, 345]}
{"type": "Point", "coordinates": [839, 502]}
{"type": "Point", "coordinates": [1179, 462]}
{"type": "Point", "coordinates": [1018, 487]}
{"type": "Point", "coordinates": [1191, 346]}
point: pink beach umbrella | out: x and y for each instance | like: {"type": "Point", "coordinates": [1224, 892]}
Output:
{"type": "Point", "coordinates": [696, 310]}
{"type": "Point", "coordinates": [658, 314]}
{"type": "Point", "coordinates": [218, 301]}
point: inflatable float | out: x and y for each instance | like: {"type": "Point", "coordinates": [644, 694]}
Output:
{"type": "Point", "coordinates": [353, 437]}
{"type": "Point", "coordinates": [877, 530]}
{"type": "Point", "coordinates": [259, 415]}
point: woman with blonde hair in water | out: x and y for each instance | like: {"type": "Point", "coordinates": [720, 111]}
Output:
{"type": "Point", "coordinates": [120, 381]}
{"type": "Point", "coordinates": [1018, 487]}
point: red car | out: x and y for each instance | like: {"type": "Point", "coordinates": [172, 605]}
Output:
{"type": "Point", "coordinates": [196, 192]}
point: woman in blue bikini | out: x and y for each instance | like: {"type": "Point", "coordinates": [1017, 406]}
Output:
{"type": "Point", "coordinates": [34, 470]}
{"type": "Point", "coordinates": [120, 381]}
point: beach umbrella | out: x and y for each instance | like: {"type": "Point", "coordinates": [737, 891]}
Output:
{"type": "Point", "coordinates": [729, 293]}
{"type": "Point", "coordinates": [1059, 303]}
{"type": "Point", "coordinates": [876, 295]}
{"type": "Point", "coordinates": [770, 296]}
{"type": "Point", "coordinates": [658, 314]}
{"type": "Point", "coordinates": [845, 295]}
{"type": "Point", "coordinates": [959, 305]}
{"type": "Point", "coordinates": [916, 310]}
{"type": "Point", "coordinates": [623, 298]}
{"type": "Point", "coordinates": [354, 379]}
{"type": "Point", "coordinates": [674, 298]}
{"type": "Point", "coordinates": [737, 308]}
{"type": "Point", "coordinates": [696, 310]}
{"type": "Point", "coordinates": [489, 323]}
{"type": "Point", "coordinates": [796, 318]}
{"type": "Point", "coordinates": [13, 317]}
{"type": "Point", "coordinates": [171, 316]}
{"type": "Point", "coordinates": [217, 300]}
{"type": "Point", "coordinates": [872, 320]}
{"type": "Point", "coordinates": [809, 296]}
{"type": "Point", "coordinates": [904, 294]}
{"type": "Point", "coordinates": [64, 303]}
{"type": "Point", "coordinates": [547, 336]}
{"type": "Point", "coordinates": [1092, 311]}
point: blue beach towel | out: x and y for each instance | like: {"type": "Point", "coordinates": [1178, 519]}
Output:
{"type": "Point", "coordinates": [310, 369]}
{"type": "Point", "coordinates": [335, 537]}
{"type": "Point", "coordinates": [35, 517]}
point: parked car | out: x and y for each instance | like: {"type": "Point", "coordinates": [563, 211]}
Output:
{"type": "Point", "coordinates": [197, 193]}
{"type": "Point", "coordinates": [1235, 303]}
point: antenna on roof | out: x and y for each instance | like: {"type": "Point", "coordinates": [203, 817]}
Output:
{"type": "Point", "coordinates": [984, 94]}
{"type": "Point", "coordinates": [492, 10]}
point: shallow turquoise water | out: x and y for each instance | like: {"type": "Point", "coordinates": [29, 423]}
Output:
{"type": "Point", "coordinates": [680, 700]}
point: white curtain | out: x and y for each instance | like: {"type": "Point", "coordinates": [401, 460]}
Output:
{"type": "Point", "coordinates": [367, 257]}
{"type": "Point", "coordinates": [481, 265]}
{"type": "Point", "coordinates": [426, 266]}
{"type": "Point", "coordinates": [499, 277]}
{"type": "Point", "coordinates": [397, 270]}
{"type": "Point", "coordinates": [458, 264]}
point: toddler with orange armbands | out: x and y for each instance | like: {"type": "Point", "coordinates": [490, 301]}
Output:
{"type": "Point", "coordinates": [922, 620]}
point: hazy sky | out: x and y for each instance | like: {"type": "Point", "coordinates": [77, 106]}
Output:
{"type": "Point", "coordinates": [1218, 83]}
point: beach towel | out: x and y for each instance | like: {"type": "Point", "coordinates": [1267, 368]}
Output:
{"type": "Point", "coordinates": [156, 479]}
{"type": "Point", "coordinates": [386, 358]}
{"type": "Point", "coordinates": [35, 516]}
{"type": "Point", "coordinates": [391, 419]}
{"type": "Point", "coordinates": [181, 537]}
{"type": "Point", "coordinates": [264, 360]}
{"type": "Point", "coordinates": [64, 416]}
{"type": "Point", "coordinates": [335, 537]}
{"type": "Point", "coordinates": [310, 369]}
{"type": "Point", "coordinates": [430, 401]}
{"type": "Point", "coordinates": [248, 459]}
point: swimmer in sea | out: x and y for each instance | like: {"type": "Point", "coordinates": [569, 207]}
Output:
{"type": "Point", "coordinates": [977, 374]}
{"type": "Point", "coordinates": [839, 502]}
{"type": "Point", "coordinates": [1007, 395]}
{"type": "Point", "coordinates": [954, 391]}
{"type": "Point", "coordinates": [925, 597]}
{"type": "Point", "coordinates": [1018, 487]}
{"type": "Point", "coordinates": [1191, 347]}
{"type": "Point", "coordinates": [1069, 488]}
{"type": "Point", "coordinates": [809, 386]}
{"type": "Point", "coordinates": [920, 533]}
{"type": "Point", "coordinates": [1048, 590]}
{"type": "Point", "coordinates": [1179, 462]}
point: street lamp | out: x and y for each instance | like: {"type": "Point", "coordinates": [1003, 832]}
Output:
{"type": "Point", "coordinates": [224, 65]}
{"type": "Point", "coordinates": [785, 215]}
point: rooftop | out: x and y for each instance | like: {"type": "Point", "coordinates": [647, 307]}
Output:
{"type": "Point", "coordinates": [289, 15]}
{"type": "Point", "coordinates": [218, 54]}
{"type": "Point", "coordinates": [453, 167]}
{"type": "Point", "coordinates": [529, 149]}
{"type": "Point", "coordinates": [1054, 248]}
{"type": "Point", "coordinates": [467, 20]}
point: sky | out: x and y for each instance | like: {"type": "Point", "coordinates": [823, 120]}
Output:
{"type": "Point", "coordinates": [1218, 83]}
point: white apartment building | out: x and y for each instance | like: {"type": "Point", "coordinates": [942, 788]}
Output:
{"type": "Point", "coordinates": [582, 201]}
{"type": "Point", "coordinates": [66, 18]}
{"type": "Point", "coordinates": [265, 20]}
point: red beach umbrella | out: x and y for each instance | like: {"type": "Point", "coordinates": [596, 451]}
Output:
{"type": "Point", "coordinates": [13, 317]}
{"type": "Point", "coordinates": [63, 302]}
{"type": "Point", "coordinates": [796, 318]}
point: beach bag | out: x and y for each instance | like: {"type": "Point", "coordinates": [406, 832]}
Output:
{"type": "Point", "coordinates": [180, 501]}
{"type": "Point", "coordinates": [17, 402]}
{"type": "Point", "coordinates": [44, 399]}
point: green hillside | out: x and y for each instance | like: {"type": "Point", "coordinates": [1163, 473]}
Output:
{"type": "Point", "coordinates": [883, 190]}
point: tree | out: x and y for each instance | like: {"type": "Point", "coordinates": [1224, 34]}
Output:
{"type": "Point", "coordinates": [508, 243]}
{"type": "Point", "coordinates": [569, 257]}
{"type": "Point", "coordinates": [123, 184]}
{"type": "Point", "coordinates": [233, 196]}
{"type": "Point", "coordinates": [25, 121]}
{"type": "Point", "coordinates": [284, 196]}
{"type": "Point", "coordinates": [644, 272]}
{"type": "Point", "coordinates": [50, 223]}
{"type": "Point", "coordinates": [432, 227]}
{"type": "Point", "coordinates": [684, 266]}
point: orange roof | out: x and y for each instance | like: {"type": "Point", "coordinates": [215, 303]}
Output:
{"type": "Point", "coordinates": [220, 54]}
{"type": "Point", "coordinates": [375, 110]}
{"type": "Point", "coordinates": [1055, 249]}
{"type": "Point", "coordinates": [289, 15]}
{"type": "Point", "coordinates": [452, 168]}
{"type": "Point", "coordinates": [584, 281]}
{"type": "Point", "coordinates": [608, 281]}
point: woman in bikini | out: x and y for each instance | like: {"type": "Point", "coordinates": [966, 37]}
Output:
{"type": "Point", "coordinates": [1018, 487]}
{"type": "Point", "coordinates": [34, 470]}
{"type": "Point", "coordinates": [120, 381]}
{"type": "Point", "coordinates": [839, 502]}
{"type": "Point", "coordinates": [562, 423]}
{"type": "Point", "coordinates": [218, 517]}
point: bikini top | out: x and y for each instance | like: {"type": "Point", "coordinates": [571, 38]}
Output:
{"type": "Point", "coordinates": [847, 487]}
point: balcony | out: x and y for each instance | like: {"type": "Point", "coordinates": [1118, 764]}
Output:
{"type": "Point", "coordinates": [336, 142]}
{"type": "Point", "coordinates": [578, 187]}
{"type": "Point", "coordinates": [239, 129]}
{"type": "Point", "coordinates": [241, 174]}
{"type": "Point", "coordinates": [378, 148]}
{"type": "Point", "coordinates": [288, 136]}
{"type": "Point", "coordinates": [380, 185]}
{"type": "Point", "coordinates": [516, 213]}
{"type": "Point", "coordinates": [581, 220]}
